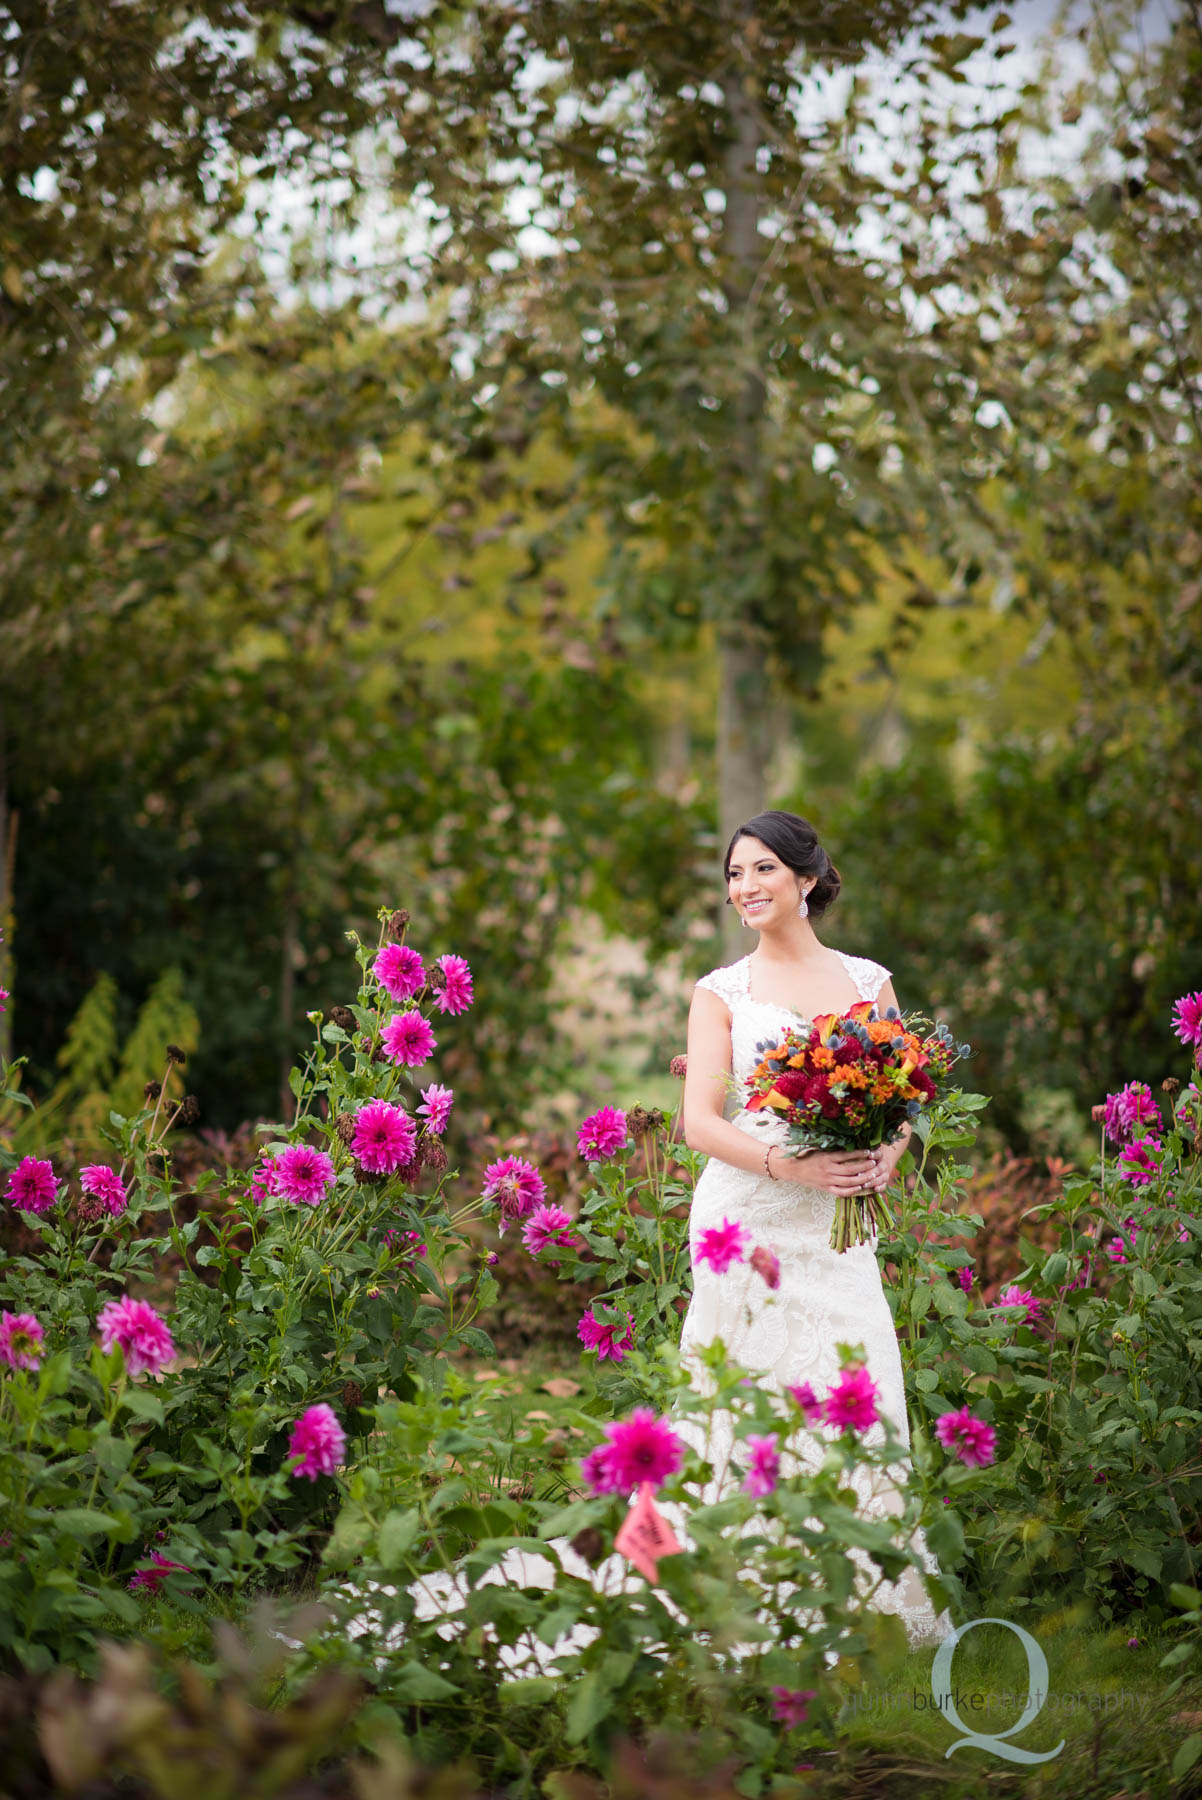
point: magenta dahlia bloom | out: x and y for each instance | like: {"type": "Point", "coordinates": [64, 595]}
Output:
{"type": "Point", "coordinates": [452, 985]}
{"type": "Point", "coordinates": [791, 1706]}
{"type": "Point", "coordinates": [408, 1241]}
{"type": "Point", "coordinates": [32, 1185]}
{"type": "Point", "coordinates": [105, 1189]}
{"type": "Point", "coordinates": [721, 1245]}
{"type": "Point", "coordinates": [964, 1277]}
{"type": "Point", "coordinates": [643, 1448]}
{"type": "Point", "coordinates": [1116, 1250]}
{"type": "Point", "coordinates": [602, 1135]}
{"type": "Point", "coordinates": [548, 1227]}
{"type": "Point", "coordinates": [262, 1179]}
{"type": "Point", "coordinates": [1140, 1161]}
{"type": "Point", "coordinates": [400, 971]}
{"type": "Point", "coordinates": [973, 1441]}
{"type": "Point", "coordinates": [1187, 1020]}
{"type": "Point", "coordinates": [385, 1136]}
{"type": "Point", "coordinates": [435, 1108]}
{"type": "Point", "coordinates": [303, 1175]}
{"type": "Point", "coordinates": [1023, 1300]}
{"type": "Point", "coordinates": [136, 1329]}
{"type": "Point", "coordinates": [319, 1440]}
{"type": "Point", "coordinates": [763, 1467]}
{"type": "Point", "coordinates": [514, 1185]}
{"type": "Point", "coordinates": [407, 1039]}
{"type": "Point", "coordinates": [807, 1399]}
{"type": "Point", "coordinates": [605, 1339]}
{"type": "Point", "coordinates": [851, 1403]}
{"type": "Point", "coordinates": [598, 1470]}
{"type": "Point", "coordinates": [22, 1340]}
{"type": "Point", "coordinates": [150, 1576]}
{"type": "Point", "coordinates": [766, 1264]}
{"type": "Point", "coordinates": [1126, 1113]}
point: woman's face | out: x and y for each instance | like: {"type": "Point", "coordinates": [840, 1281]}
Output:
{"type": "Point", "coordinates": [763, 889]}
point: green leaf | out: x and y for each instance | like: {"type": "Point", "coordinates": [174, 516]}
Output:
{"type": "Point", "coordinates": [397, 1534]}
{"type": "Point", "coordinates": [85, 1521]}
{"type": "Point", "coordinates": [1187, 1755]}
{"type": "Point", "coordinates": [143, 1404]}
{"type": "Point", "coordinates": [414, 1683]}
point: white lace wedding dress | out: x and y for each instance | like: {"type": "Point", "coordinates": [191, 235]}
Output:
{"type": "Point", "coordinates": [790, 1335]}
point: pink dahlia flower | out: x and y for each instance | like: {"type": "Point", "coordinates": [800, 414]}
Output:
{"type": "Point", "coordinates": [1140, 1161]}
{"type": "Point", "coordinates": [105, 1189]}
{"type": "Point", "coordinates": [385, 1136]}
{"type": "Point", "coordinates": [807, 1399]}
{"type": "Point", "coordinates": [5, 997]}
{"type": "Point", "coordinates": [319, 1440]}
{"type": "Point", "coordinates": [598, 1471]}
{"type": "Point", "coordinates": [602, 1135]}
{"type": "Point", "coordinates": [791, 1706]}
{"type": "Point", "coordinates": [400, 971]}
{"type": "Point", "coordinates": [1126, 1113]}
{"type": "Point", "coordinates": [1116, 1250]}
{"type": "Point", "coordinates": [514, 1185]}
{"type": "Point", "coordinates": [151, 1576]}
{"type": "Point", "coordinates": [763, 1467]}
{"type": "Point", "coordinates": [721, 1245]}
{"type": "Point", "coordinates": [410, 1242]}
{"type": "Point", "coordinates": [453, 992]}
{"type": "Point", "coordinates": [548, 1226]}
{"type": "Point", "coordinates": [643, 1448]}
{"type": "Point", "coordinates": [32, 1186]}
{"type": "Point", "coordinates": [973, 1441]}
{"type": "Point", "coordinates": [262, 1179]}
{"type": "Point", "coordinates": [22, 1341]}
{"type": "Point", "coordinates": [851, 1403]}
{"type": "Point", "coordinates": [766, 1264]}
{"type": "Point", "coordinates": [407, 1039]}
{"type": "Point", "coordinates": [605, 1339]}
{"type": "Point", "coordinates": [435, 1108]}
{"type": "Point", "coordinates": [303, 1175]}
{"type": "Point", "coordinates": [1187, 1020]}
{"type": "Point", "coordinates": [136, 1329]}
{"type": "Point", "coordinates": [1023, 1300]}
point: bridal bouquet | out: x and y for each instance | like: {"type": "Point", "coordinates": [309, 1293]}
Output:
{"type": "Point", "coordinates": [850, 1083]}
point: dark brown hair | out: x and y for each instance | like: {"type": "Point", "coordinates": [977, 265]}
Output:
{"type": "Point", "coordinates": [795, 841]}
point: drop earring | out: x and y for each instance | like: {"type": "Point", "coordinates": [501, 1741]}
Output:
{"type": "Point", "coordinates": [804, 908]}
{"type": "Point", "coordinates": [743, 922]}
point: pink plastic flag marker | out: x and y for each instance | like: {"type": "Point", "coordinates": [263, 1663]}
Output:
{"type": "Point", "coordinates": [645, 1535]}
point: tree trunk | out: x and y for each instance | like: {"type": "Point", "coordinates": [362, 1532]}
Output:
{"type": "Point", "coordinates": [744, 687]}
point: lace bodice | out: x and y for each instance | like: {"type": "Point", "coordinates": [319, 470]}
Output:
{"type": "Point", "coordinates": [752, 1021]}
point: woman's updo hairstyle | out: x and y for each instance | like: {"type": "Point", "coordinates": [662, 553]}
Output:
{"type": "Point", "coordinates": [795, 841]}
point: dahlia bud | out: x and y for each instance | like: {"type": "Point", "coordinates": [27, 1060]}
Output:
{"type": "Point", "coordinates": [176, 1055]}
{"type": "Point", "coordinates": [679, 1067]}
{"type": "Point", "coordinates": [152, 1090]}
{"type": "Point", "coordinates": [589, 1544]}
{"type": "Point", "coordinates": [343, 1017]}
{"type": "Point", "coordinates": [344, 1126]}
{"type": "Point", "coordinates": [434, 1156]}
{"type": "Point", "coordinates": [641, 1121]}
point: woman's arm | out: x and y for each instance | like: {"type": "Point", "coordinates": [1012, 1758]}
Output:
{"type": "Point", "coordinates": [705, 1129]}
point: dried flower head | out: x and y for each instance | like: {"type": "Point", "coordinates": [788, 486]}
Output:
{"type": "Point", "coordinates": [188, 1110]}
{"type": "Point", "coordinates": [176, 1055]}
{"type": "Point", "coordinates": [344, 1127]}
{"type": "Point", "coordinates": [152, 1090]}
{"type": "Point", "coordinates": [679, 1066]}
{"type": "Point", "coordinates": [343, 1017]}
{"type": "Point", "coordinates": [641, 1120]}
{"type": "Point", "coordinates": [395, 924]}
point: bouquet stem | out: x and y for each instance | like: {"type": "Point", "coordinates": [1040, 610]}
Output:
{"type": "Point", "coordinates": [858, 1219]}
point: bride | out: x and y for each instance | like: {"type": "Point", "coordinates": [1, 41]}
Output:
{"type": "Point", "coordinates": [779, 880]}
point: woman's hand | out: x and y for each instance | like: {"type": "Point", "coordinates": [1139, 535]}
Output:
{"type": "Point", "coordinates": [839, 1171]}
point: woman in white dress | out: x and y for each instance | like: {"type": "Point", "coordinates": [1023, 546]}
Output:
{"type": "Point", "coordinates": [779, 880]}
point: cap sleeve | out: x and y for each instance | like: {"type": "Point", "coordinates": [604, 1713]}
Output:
{"type": "Point", "coordinates": [869, 977]}
{"type": "Point", "coordinates": [728, 983]}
